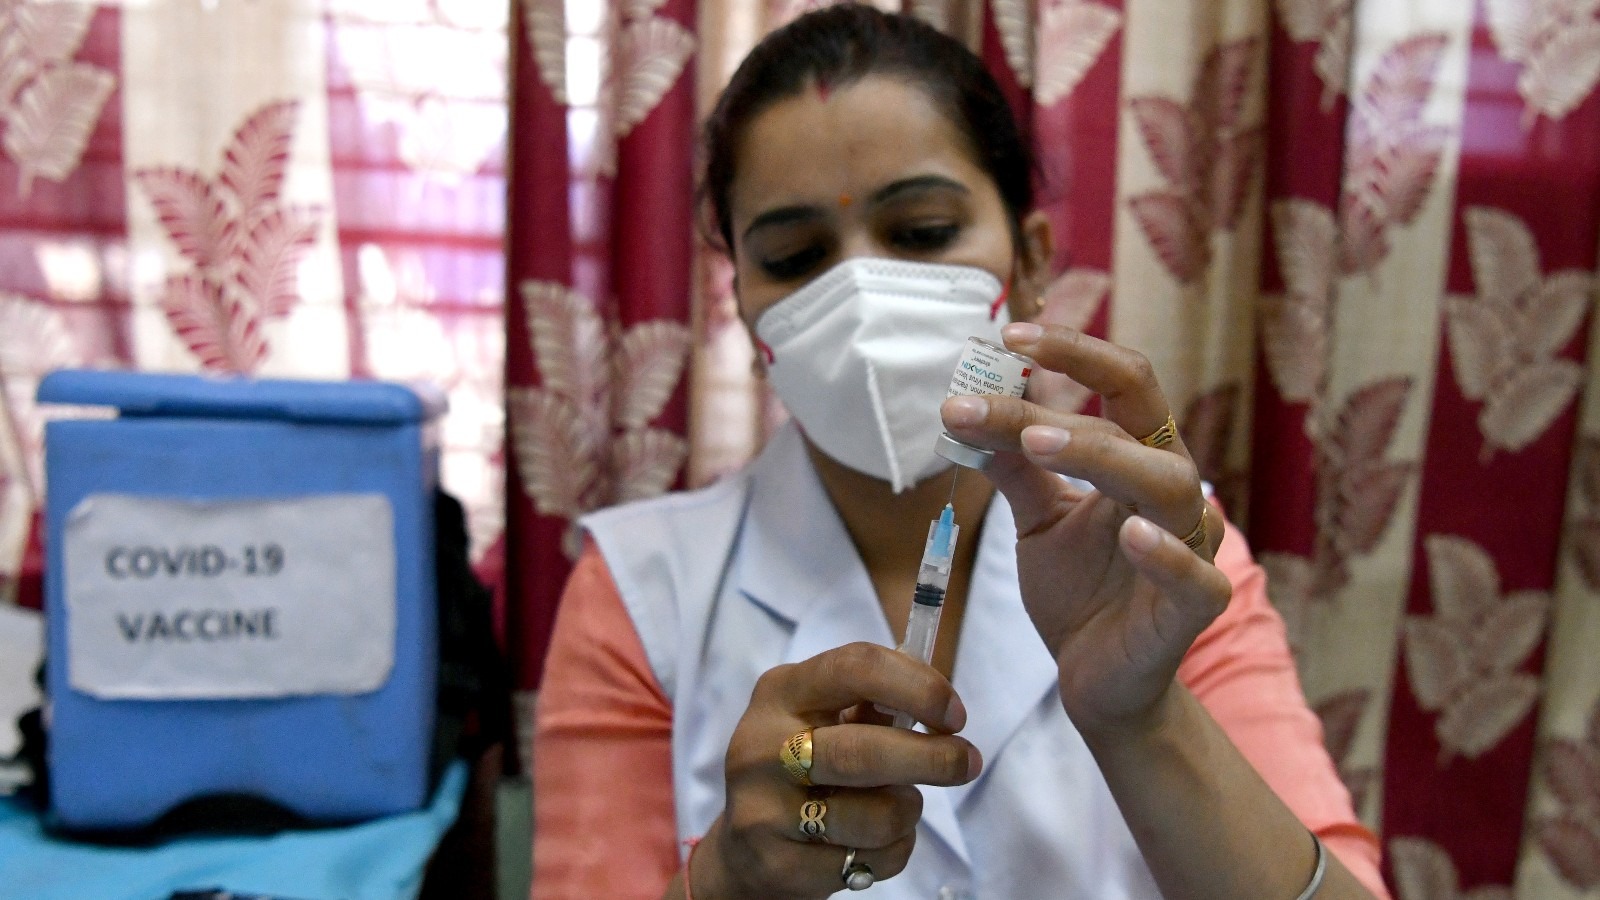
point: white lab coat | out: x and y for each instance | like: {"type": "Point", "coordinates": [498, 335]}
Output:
{"type": "Point", "coordinates": [727, 582]}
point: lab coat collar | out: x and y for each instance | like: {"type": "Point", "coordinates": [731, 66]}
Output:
{"type": "Point", "coordinates": [797, 560]}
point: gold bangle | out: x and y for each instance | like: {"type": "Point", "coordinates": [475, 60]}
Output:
{"type": "Point", "coordinates": [1166, 434]}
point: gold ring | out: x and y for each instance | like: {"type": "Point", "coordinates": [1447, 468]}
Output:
{"type": "Point", "coordinates": [1166, 434]}
{"type": "Point", "coordinates": [1197, 538]}
{"type": "Point", "coordinates": [811, 824]}
{"type": "Point", "coordinates": [796, 757]}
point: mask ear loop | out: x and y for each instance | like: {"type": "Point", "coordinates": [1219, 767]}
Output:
{"type": "Point", "coordinates": [1005, 295]}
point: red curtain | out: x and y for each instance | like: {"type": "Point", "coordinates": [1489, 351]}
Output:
{"type": "Point", "coordinates": [597, 315]}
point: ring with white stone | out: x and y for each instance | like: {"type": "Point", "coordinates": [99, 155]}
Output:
{"type": "Point", "coordinates": [856, 876]}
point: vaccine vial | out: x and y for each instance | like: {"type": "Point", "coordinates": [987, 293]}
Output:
{"type": "Point", "coordinates": [985, 369]}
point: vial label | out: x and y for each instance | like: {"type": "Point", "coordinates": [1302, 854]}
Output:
{"type": "Point", "coordinates": [988, 369]}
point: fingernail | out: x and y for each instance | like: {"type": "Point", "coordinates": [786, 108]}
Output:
{"type": "Point", "coordinates": [965, 410]}
{"type": "Point", "coordinates": [1022, 333]}
{"type": "Point", "coordinates": [1044, 439]}
{"type": "Point", "coordinates": [1143, 536]}
{"type": "Point", "coordinates": [974, 762]}
{"type": "Point", "coordinates": [955, 715]}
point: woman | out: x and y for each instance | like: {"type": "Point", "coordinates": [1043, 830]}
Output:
{"type": "Point", "coordinates": [710, 721]}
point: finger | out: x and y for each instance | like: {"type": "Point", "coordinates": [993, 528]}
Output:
{"type": "Point", "coordinates": [885, 862]}
{"type": "Point", "coordinates": [1161, 484]}
{"type": "Point", "coordinates": [1197, 591]}
{"type": "Point", "coordinates": [867, 818]}
{"type": "Point", "coordinates": [873, 756]}
{"type": "Point", "coordinates": [865, 714]}
{"type": "Point", "coordinates": [813, 869]}
{"type": "Point", "coordinates": [867, 673]}
{"type": "Point", "coordinates": [1131, 396]}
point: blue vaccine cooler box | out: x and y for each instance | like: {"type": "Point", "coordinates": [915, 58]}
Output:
{"type": "Point", "coordinates": [240, 597]}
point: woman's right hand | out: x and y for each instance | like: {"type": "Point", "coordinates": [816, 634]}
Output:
{"type": "Point", "coordinates": [865, 772]}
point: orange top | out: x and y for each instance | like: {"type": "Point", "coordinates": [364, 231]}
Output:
{"type": "Point", "coordinates": [603, 747]}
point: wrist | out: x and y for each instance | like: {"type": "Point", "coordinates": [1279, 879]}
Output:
{"type": "Point", "coordinates": [706, 875]}
{"type": "Point", "coordinates": [1158, 723]}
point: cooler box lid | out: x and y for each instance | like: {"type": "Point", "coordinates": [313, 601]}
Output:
{"type": "Point", "coordinates": [146, 394]}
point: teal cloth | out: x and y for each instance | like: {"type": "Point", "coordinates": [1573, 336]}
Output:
{"type": "Point", "coordinates": [378, 860]}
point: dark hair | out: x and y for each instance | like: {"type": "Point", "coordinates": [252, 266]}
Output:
{"type": "Point", "coordinates": [840, 45]}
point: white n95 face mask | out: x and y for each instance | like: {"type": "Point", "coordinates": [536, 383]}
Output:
{"type": "Point", "coordinates": [862, 357]}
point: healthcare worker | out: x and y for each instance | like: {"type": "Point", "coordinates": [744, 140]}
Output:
{"type": "Point", "coordinates": [1099, 721]}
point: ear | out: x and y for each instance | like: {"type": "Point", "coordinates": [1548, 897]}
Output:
{"type": "Point", "coordinates": [1034, 257]}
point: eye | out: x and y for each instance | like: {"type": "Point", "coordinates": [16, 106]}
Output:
{"type": "Point", "coordinates": [794, 265]}
{"type": "Point", "coordinates": [925, 237]}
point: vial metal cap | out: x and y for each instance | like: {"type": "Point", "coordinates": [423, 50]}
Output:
{"type": "Point", "coordinates": [962, 454]}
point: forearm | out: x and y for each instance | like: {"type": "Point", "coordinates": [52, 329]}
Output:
{"type": "Point", "coordinates": [1206, 823]}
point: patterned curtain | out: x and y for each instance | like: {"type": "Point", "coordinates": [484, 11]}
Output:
{"type": "Point", "coordinates": [600, 265]}
{"type": "Point", "coordinates": [272, 188]}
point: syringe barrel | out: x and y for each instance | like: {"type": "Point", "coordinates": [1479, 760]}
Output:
{"type": "Point", "coordinates": [933, 577]}
{"type": "Point", "coordinates": [922, 630]}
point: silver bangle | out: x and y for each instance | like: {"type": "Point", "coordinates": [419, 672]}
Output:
{"type": "Point", "coordinates": [1318, 872]}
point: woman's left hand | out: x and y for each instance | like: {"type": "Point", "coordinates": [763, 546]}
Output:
{"type": "Point", "coordinates": [1110, 585]}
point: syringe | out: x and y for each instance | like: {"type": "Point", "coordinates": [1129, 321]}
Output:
{"type": "Point", "coordinates": [933, 577]}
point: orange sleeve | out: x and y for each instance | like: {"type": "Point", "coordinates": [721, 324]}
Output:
{"type": "Point", "coordinates": [1240, 669]}
{"type": "Point", "coordinates": [602, 771]}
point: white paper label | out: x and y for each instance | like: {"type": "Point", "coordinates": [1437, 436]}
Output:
{"type": "Point", "coordinates": [175, 599]}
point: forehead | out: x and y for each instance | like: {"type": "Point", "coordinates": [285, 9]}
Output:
{"type": "Point", "coordinates": [814, 147]}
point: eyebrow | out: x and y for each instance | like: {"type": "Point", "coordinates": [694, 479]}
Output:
{"type": "Point", "coordinates": [916, 185]}
{"type": "Point", "coordinates": [786, 215]}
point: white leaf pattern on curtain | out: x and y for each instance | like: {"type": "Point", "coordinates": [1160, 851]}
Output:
{"type": "Point", "coordinates": [1463, 661]}
{"type": "Point", "coordinates": [1013, 20]}
{"type": "Point", "coordinates": [582, 436]}
{"type": "Point", "coordinates": [546, 24]}
{"type": "Point", "coordinates": [1424, 871]}
{"type": "Point", "coordinates": [1503, 343]}
{"type": "Point", "coordinates": [1296, 326]}
{"type": "Point", "coordinates": [1072, 35]}
{"type": "Point", "coordinates": [1327, 22]}
{"type": "Point", "coordinates": [49, 121]}
{"type": "Point", "coordinates": [1558, 44]}
{"type": "Point", "coordinates": [49, 124]}
{"type": "Point", "coordinates": [38, 340]}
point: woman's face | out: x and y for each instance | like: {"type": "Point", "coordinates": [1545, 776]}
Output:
{"type": "Point", "coordinates": [873, 168]}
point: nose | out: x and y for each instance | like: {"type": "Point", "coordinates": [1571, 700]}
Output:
{"type": "Point", "coordinates": [858, 242]}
